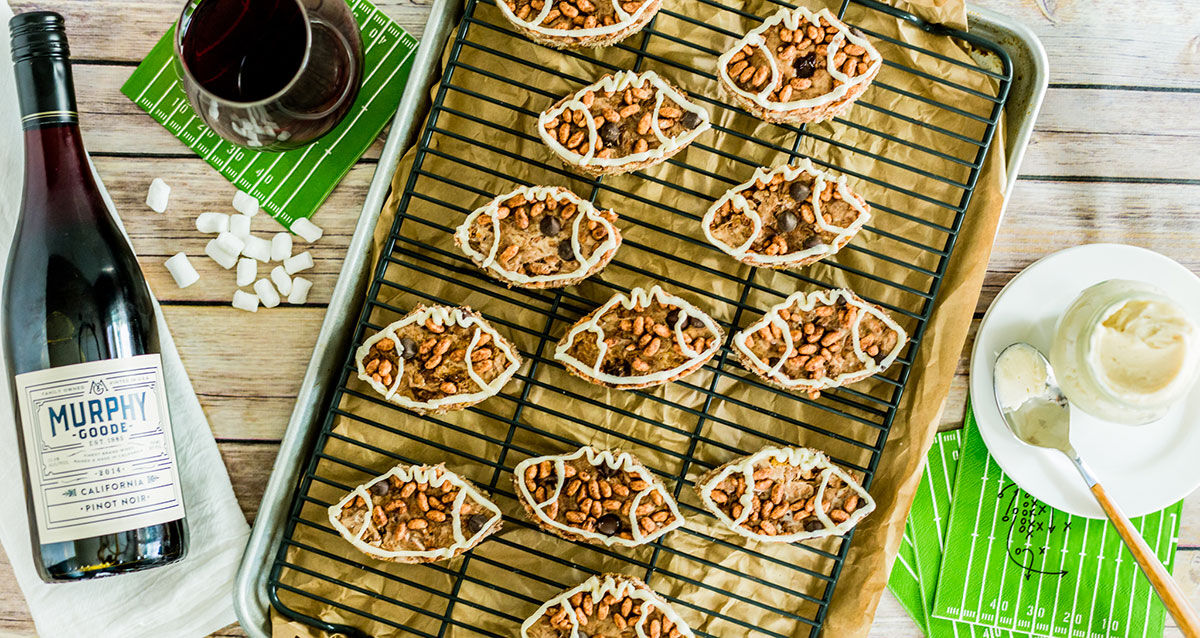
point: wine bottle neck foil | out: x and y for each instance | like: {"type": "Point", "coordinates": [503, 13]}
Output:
{"type": "Point", "coordinates": [41, 61]}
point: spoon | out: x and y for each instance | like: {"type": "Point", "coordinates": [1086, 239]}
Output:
{"type": "Point", "coordinates": [1038, 414]}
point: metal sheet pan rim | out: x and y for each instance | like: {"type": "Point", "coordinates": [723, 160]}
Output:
{"type": "Point", "coordinates": [250, 597]}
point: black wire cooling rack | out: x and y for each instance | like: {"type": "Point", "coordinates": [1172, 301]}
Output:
{"type": "Point", "coordinates": [682, 430]}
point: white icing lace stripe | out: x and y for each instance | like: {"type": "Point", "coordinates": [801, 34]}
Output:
{"type": "Point", "coordinates": [639, 297]}
{"type": "Point", "coordinates": [615, 83]}
{"type": "Point", "coordinates": [625, 19]}
{"type": "Point", "coordinates": [791, 20]}
{"type": "Point", "coordinates": [620, 587]}
{"type": "Point", "coordinates": [443, 316]}
{"type": "Point", "coordinates": [790, 172]}
{"type": "Point", "coordinates": [808, 302]}
{"type": "Point", "coordinates": [623, 462]}
{"type": "Point", "coordinates": [537, 193]}
{"type": "Point", "coordinates": [434, 476]}
{"type": "Point", "coordinates": [799, 457]}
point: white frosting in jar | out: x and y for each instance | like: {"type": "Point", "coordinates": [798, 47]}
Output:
{"type": "Point", "coordinates": [1125, 352]}
{"type": "Point", "coordinates": [1143, 349]}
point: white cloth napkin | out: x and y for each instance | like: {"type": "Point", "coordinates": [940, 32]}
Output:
{"type": "Point", "coordinates": [190, 598]}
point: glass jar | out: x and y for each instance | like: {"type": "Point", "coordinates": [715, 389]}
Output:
{"type": "Point", "coordinates": [1125, 352]}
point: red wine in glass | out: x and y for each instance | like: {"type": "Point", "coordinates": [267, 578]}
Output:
{"type": "Point", "coordinates": [269, 74]}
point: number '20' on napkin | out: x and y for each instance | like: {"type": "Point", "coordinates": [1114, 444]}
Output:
{"type": "Point", "coordinates": [983, 558]}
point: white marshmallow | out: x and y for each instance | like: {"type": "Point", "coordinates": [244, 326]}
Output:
{"type": "Point", "coordinates": [306, 229]}
{"type": "Point", "coordinates": [247, 271]}
{"type": "Point", "coordinates": [212, 222]}
{"type": "Point", "coordinates": [258, 248]}
{"type": "Point", "coordinates": [230, 243]}
{"type": "Point", "coordinates": [266, 293]}
{"type": "Point", "coordinates": [281, 246]}
{"type": "Point", "coordinates": [219, 254]}
{"type": "Point", "coordinates": [182, 270]}
{"type": "Point", "coordinates": [282, 281]}
{"type": "Point", "coordinates": [239, 225]}
{"type": "Point", "coordinates": [296, 263]}
{"type": "Point", "coordinates": [245, 203]}
{"type": "Point", "coordinates": [300, 288]}
{"type": "Point", "coordinates": [158, 195]}
{"type": "Point", "coordinates": [243, 300]}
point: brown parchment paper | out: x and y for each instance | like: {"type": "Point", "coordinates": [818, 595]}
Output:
{"type": "Point", "coordinates": [471, 442]}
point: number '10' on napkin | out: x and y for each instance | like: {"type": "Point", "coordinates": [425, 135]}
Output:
{"type": "Point", "coordinates": [994, 562]}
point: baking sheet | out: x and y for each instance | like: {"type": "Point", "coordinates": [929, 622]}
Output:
{"type": "Point", "coordinates": [865, 572]}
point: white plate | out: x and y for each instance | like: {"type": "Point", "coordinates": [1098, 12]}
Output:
{"type": "Point", "coordinates": [1145, 468]}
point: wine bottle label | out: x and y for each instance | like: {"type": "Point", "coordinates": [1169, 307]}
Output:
{"type": "Point", "coordinates": [98, 446]}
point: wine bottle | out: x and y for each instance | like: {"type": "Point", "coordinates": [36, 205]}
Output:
{"type": "Point", "coordinates": [81, 343]}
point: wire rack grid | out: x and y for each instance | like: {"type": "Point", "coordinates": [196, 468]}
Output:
{"type": "Point", "coordinates": [464, 158]}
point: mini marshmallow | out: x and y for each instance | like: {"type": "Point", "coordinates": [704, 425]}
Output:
{"type": "Point", "coordinates": [182, 270]}
{"type": "Point", "coordinates": [296, 263]}
{"type": "Point", "coordinates": [300, 288]}
{"type": "Point", "coordinates": [243, 300]}
{"type": "Point", "coordinates": [281, 246]}
{"type": "Point", "coordinates": [230, 243]}
{"type": "Point", "coordinates": [239, 225]}
{"type": "Point", "coordinates": [158, 195]}
{"type": "Point", "coordinates": [245, 203]}
{"type": "Point", "coordinates": [266, 293]}
{"type": "Point", "coordinates": [219, 254]}
{"type": "Point", "coordinates": [282, 281]}
{"type": "Point", "coordinates": [212, 222]}
{"type": "Point", "coordinates": [258, 248]}
{"type": "Point", "coordinates": [247, 271]}
{"type": "Point", "coordinates": [306, 229]}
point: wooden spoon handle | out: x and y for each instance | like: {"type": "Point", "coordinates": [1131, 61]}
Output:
{"type": "Point", "coordinates": [1168, 590]}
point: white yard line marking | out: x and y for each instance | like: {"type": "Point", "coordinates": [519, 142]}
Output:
{"type": "Point", "coordinates": [1087, 528]}
{"type": "Point", "coordinates": [991, 537]}
{"type": "Point", "coordinates": [1099, 568]}
{"type": "Point", "coordinates": [1162, 517]}
{"type": "Point", "coordinates": [165, 93]}
{"type": "Point", "coordinates": [154, 79]}
{"type": "Point", "coordinates": [974, 534]}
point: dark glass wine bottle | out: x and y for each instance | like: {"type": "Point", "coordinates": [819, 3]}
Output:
{"type": "Point", "coordinates": [81, 342]}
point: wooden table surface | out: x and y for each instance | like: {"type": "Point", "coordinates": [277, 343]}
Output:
{"type": "Point", "coordinates": [1114, 159]}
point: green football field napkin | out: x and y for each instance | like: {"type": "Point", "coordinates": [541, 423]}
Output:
{"type": "Point", "coordinates": [993, 562]}
{"type": "Point", "coordinates": [291, 184]}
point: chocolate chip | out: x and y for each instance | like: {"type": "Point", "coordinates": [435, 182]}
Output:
{"type": "Point", "coordinates": [695, 322]}
{"type": "Point", "coordinates": [566, 252]}
{"type": "Point", "coordinates": [672, 318]}
{"type": "Point", "coordinates": [786, 222]}
{"type": "Point", "coordinates": [799, 191]}
{"type": "Point", "coordinates": [605, 471]}
{"type": "Point", "coordinates": [773, 361]}
{"type": "Point", "coordinates": [812, 524]}
{"type": "Point", "coordinates": [610, 133]}
{"type": "Point", "coordinates": [608, 524]}
{"type": "Point", "coordinates": [806, 66]}
{"type": "Point", "coordinates": [813, 241]}
{"type": "Point", "coordinates": [476, 522]}
{"type": "Point", "coordinates": [690, 120]}
{"type": "Point", "coordinates": [381, 488]}
{"type": "Point", "coordinates": [550, 226]}
{"type": "Point", "coordinates": [408, 348]}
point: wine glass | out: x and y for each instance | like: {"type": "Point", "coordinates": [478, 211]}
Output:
{"type": "Point", "coordinates": [269, 74]}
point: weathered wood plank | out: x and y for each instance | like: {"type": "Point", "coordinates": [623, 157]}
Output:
{"type": "Point", "coordinates": [1047, 216]}
{"type": "Point", "coordinates": [125, 30]}
{"type": "Point", "coordinates": [1113, 42]}
{"type": "Point", "coordinates": [195, 188]}
{"type": "Point", "coordinates": [246, 368]}
{"type": "Point", "coordinates": [1102, 42]}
